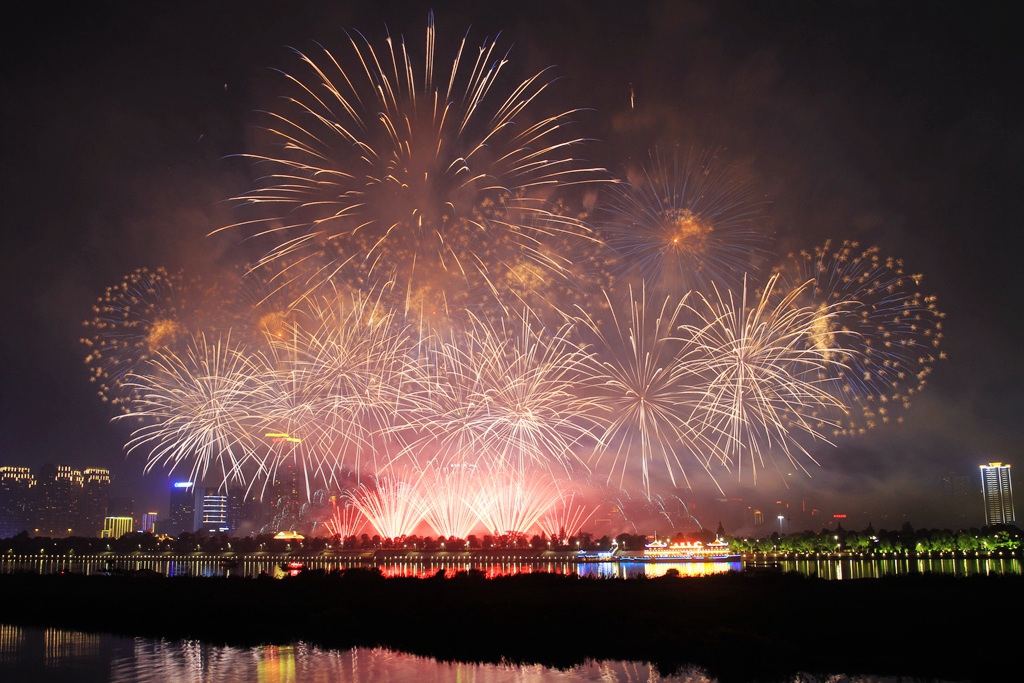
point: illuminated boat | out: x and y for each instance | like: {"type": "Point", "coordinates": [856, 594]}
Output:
{"type": "Point", "coordinates": [716, 551]}
{"type": "Point", "coordinates": [662, 551]}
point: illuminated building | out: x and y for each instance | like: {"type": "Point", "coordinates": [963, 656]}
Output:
{"type": "Point", "coordinates": [215, 511]}
{"type": "Point", "coordinates": [149, 523]}
{"type": "Point", "coordinates": [998, 493]}
{"type": "Point", "coordinates": [57, 498]}
{"type": "Point", "coordinates": [16, 485]}
{"type": "Point", "coordinates": [116, 527]}
{"type": "Point", "coordinates": [285, 493]}
{"type": "Point", "coordinates": [95, 501]}
{"type": "Point", "coordinates": [183, 509]}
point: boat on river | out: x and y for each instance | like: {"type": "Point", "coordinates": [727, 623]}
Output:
{"type": "Point", "coordinates": [662, 551]}
{"type": "Point", "coordinates": [687, 551]}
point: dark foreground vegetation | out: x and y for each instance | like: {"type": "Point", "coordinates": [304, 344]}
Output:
{"type": "Point", "coordinates": [741, 626]}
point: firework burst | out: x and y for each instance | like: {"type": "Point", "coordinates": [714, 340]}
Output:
{"type": "Point", "coordinates": [393, 505]}
{"type": "Point", "coordinates": [389, 169]}
{"type": "Point", "coordinates": [149, 311]}
{"type": "Point", "coordinates": [506, 392]}
{"type": "Point", "coordinates": [683, 224]}
{"type": "Point", "coordinates": [566, 517]}
{"type": "Point", "coordinates": [197, 408]}
{"type": "Point", "coordinates": [762, 384]}
{"type": "Point", "coordinates": [513, 502]}
{"type": "Point", "coordinates": [345, 518]}
{"type": "Point", "coordinates": [641, 374]}
{"type": "Point", "coordinates": [449, 491]}
{"type": "Point", "coordinates": [879, 324]}
{"type": "Point", "coordinates": [346, 367]}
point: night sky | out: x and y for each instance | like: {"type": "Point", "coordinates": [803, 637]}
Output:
{"type": "Point", "coordinates": [893, 124]}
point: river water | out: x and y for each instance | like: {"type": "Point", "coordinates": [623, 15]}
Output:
{"type": "Point", "coordinates": [425, 565]}
{"type": "Point", "coordinates": [58, 656]}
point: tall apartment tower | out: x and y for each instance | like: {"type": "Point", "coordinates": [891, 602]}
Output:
{"type": "Point", "coordinates": [215, 511]}
{"type": "Point", "coordinates": [182, 518]}
{"type": "Point", "coordinates": [57, 500]}
{"type": "Point", "coordinates": [998, 493]}
{"type": "Point", "coordinates": [16, 489]}
{"type": "Point", "coordinates": [95, 501]}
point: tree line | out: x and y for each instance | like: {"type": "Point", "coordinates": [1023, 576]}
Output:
{"type": "Point", "coordinates": [907, 539]}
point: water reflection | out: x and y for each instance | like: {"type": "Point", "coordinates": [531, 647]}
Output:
{"type": "Point", "coordinates": [423, 566]}
{"type": "Point", "coordinates": [51, 655]}
{"type": "Point", "coordinates": [852, 568]}
{"type": "Point", "coordinates": [71, 655]}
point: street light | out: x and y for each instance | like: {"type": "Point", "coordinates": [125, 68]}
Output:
{"type": "Point", "coordinates": [781, 517]}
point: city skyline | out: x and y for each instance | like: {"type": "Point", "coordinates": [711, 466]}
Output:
{"type": "Point", "coordinates": [145, 138]}
{"type": "Point", "coordinates": [185, 508]}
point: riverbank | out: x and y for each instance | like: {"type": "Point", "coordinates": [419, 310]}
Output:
{"type": "Point", "coordinates": [738, 626]}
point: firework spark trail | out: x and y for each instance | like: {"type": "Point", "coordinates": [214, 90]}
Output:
{"type": "Point", "coordinates": [683, 224]}
{"type": "Point", "coordinates": [350, 358]}
{"type": "Point", "coordinates": [392, 505]}
{"type": "Point", "coordinates": [345, 519]}
{"type": "Point", "coordinates": [566, 517]}
{"type": "Point", "coordinates": [448, 491]}
{"type": "Point", "coordinates": [761, 382]}
{"type": "Point", "coordinates": [386, 172]}
{"type": "Point", "coordinates": [293, 426]}
{"type": "Point", "coordinates": [513, 502]}
{"type": "Point", "coordinates": [197, 407]}
{"type": "Point", "coordinates": [884, 328]}
{"type": "Point", "coordinates": [508, 391]}
{"type": "Point", "coordinates": [675, 511]}
{"type": "Point", "coordinates": [641, 372]}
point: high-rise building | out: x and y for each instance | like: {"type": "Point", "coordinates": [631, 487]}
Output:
{"type": "Point", "coordinates": [997, 493]}
{"type": "Point", "coordinates": [57, 498]}
{"type": "Point", "coordinates": [16, 489]}
{"type": "Point", "coordinates": [215, 511]}
{"type": "Point", "coordinates": [95, 501]}
{"type": "Point", "coordinates": [116, 527]}
{"type": "Point", "coordinates": [183, 509]}
{"type": "Point", "coordinates": [246, 512]}
{"type": "Point", "coordinates": [149, 523]}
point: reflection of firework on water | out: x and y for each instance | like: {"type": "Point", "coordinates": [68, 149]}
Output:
{"type": "Point", "coordinates": [683, 224]}
{"type": "Point", "coordinates": [386, 169]}
{"type": "Point", "coordinates": [640, 373]}
{"type": "Point", "coordinates": [147, 312]}
{"type": "Point", "coordinates": [513, 503]}
{"type": "Point", "coordinates": [762, 384]}
{"type": "Point", "coordinates": [566, 517]}
{"type": "Point", "coordinates": [345, 518]}
{"type": "Point", "coordinates": [394, 506]}
{"type": "Point", "coordinates": [508, 391]}
{"type": "Point", "coordinates": [448, 491]}
{"type": "Point", "coordinates": [882, 327]}
{"type": "Point", "coordinates": [197, 408]}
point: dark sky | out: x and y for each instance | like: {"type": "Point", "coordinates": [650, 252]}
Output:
{"type": "Point", "coordinates": [894, 124]}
